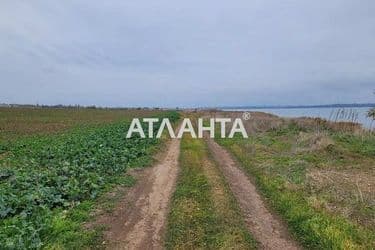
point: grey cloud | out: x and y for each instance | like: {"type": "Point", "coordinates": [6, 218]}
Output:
{"type": "Point", "coordinates": [192, 53]}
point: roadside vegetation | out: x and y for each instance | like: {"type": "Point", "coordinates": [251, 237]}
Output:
{"type": "Point", "coordinates": [321, 181]}
{"type": "Point", "coordinates": [371, 113]}
{"type": "Point", "coordinates": [48, 183]}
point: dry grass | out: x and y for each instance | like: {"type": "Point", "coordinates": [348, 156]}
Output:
{"type": "Point", "coordinates": [318, 124]}
{"type": "Point", "coordinates": [347, 192]}
{"type": "Point", "coordinates": [312, 142]}
{"type": "Point", "coordinates": [258, 122]}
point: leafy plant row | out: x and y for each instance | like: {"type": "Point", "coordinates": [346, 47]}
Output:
{"type": "Point", "coordinates": [43, 173]}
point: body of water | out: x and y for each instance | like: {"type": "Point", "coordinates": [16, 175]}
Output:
{"type": "Point", "coordinates": [358, 115]}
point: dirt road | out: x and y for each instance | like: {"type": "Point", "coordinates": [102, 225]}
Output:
{"type": "Point", "coordinates": [139, 221]}
{"type": "Point", "coordinates": [267, 229]}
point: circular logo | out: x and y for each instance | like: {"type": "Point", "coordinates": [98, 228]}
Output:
{"type": "Point", "coordinates": [246, 116]}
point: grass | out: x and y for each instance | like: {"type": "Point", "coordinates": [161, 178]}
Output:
{"type": "Point", "coordinates": [203, 214]}
{"type": "Point", "coordinates": [365, 146]}
{"type": "Point", "coordinates": [302, 176]}
{"type": "Point", "coordinates": [66, 231]}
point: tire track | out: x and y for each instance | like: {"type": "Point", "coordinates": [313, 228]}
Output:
{"type": "Point", "coordinates": [139, 221]}
{"type": "Point", "coordinates": [266, 228]}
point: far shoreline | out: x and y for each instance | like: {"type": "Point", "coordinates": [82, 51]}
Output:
{"type": "Point", "coordinates": [350, 105]}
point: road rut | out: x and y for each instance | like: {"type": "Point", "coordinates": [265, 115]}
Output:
{"type": "Point", "coordinates": [139, 221]}
{"type": "Point", "coordinates": [266, 228]}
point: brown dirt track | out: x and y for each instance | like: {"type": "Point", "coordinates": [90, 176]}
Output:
{"type": "Point", "coordinates": [138, 221]}
{"type": "Point", "coordinates": [267, 229]}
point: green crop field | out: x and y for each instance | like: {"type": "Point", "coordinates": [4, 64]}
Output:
{"type": "Point", "coordinates": [47, 181]}
{"type": "Point", "coordinates": [21, 122]}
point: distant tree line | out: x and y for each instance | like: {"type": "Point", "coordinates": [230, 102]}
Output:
{"type": "Point", "coordinates": [77, 106]}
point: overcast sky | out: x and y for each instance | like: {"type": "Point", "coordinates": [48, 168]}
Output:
{"type": "Point", "coordinates": [187, 53]}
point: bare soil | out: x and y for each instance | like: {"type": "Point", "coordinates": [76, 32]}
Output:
{"type": "Point", "coordinates": [266, 227]}
{"type": "Point", "coordinates": [139, 220]}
